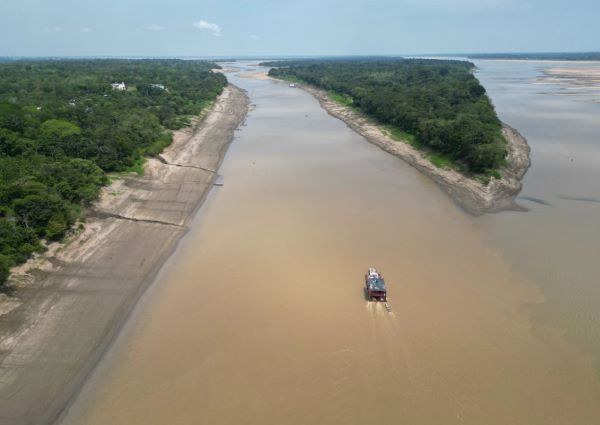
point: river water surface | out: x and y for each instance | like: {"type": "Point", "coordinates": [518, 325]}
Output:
{"type": "Point", "coordinates": [260, 316]}
{"type": "Point", "coordinates": [557, 244]}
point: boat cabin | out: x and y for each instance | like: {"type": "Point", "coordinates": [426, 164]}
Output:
{"type": "Point", "coordinates": [375, 285]}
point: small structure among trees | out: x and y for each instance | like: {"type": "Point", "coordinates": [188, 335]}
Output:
{"type": "Point", "coordinates": [119, 86]}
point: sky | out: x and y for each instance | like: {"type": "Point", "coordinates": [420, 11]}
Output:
{"type": "Point", "coordinates": [206, 28]}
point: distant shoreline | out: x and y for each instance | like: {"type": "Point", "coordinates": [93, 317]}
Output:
{"type": "Point", "coordinates": [558, 56]}
{"type": "Point", "coordinates": [468, 193]}
{"type": "Point", "coordinates": [554, 61]}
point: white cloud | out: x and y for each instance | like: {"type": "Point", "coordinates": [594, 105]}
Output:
{"type": "Point", "coordinates": [53, 29]}
{"type": "Point", "coordinates": [255, 37]}
{"type": "Point", "coordinates": [86, 29]}
{"type": "Point", "coordinates": [155, 27]}
{"type": "Point", "coordinates": [209, 26]}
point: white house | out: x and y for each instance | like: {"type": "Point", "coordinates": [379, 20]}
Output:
{"type": "Point", "coordinates": [158, 86]}
{"type": "Point", "coordinates": [119, 86]}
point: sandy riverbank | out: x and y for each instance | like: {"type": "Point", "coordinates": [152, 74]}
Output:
{"type": "Point", "coordinates": [574, 80]}
{"type": "Point", "coordinates": [69, 304]}
{"type": "Point", "coordinates": [470, 194]}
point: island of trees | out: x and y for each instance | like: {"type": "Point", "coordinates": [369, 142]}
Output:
{"type": "Point", "coordinates": [65, 124]}
{"type": "Point", "coordinates": [437, 105]}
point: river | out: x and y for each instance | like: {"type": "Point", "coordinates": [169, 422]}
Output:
{"type": "Point", "coordinates": [260, 317]}
{"type": "Point", "coordinates": [556, 244]}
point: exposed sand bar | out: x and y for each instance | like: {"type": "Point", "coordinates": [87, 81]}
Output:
{"type": "Point", "coordinates": [71, 310]}
{"type": "Point", "coordinates": [473, 196]}
{"type": "Point", "coordinates": [576, 80]}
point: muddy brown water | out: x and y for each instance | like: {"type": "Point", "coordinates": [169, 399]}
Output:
{"type": "Point", "coordinates": [260, 316]}
{"type": "Point", "coordinates": [556, 244]}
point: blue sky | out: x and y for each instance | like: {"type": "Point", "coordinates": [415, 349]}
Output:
{"type": "Point", "coordinates": [281, 27]}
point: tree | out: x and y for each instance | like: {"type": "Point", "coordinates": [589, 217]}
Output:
{"type": "Point", "coordinates": [56, 227]}
{"type": "Point", "coordinates": [11, 117]}
{"type": "Point", "coordinates": [12, 144]}
{"type": "Point", "coordinates": [35, 211]}
{"type": "Point", "coordinates": [5, 265]}
{"type": "Point", "coordinates": [58, 137]}
{"type": "Point", "coordinates": [76, 180]}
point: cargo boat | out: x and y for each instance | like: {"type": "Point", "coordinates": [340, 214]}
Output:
{"type": "Point", "coordinates": [375, 285]}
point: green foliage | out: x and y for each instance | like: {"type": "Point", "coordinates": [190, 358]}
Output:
{"type": "Point", "coordinates": [440, 160]}
{"type": "Point", "coordinates": [439, 102]}
{"type": "Point", "coordinates": [290, 78]}
{"type": "Point", "coordinates": [164, 140]}
{"type": "Point", "coordinates": [56, 227]}
{"type": "Point", "coordinates": [342, 99]}
{"type": "Point", "coordinates": [70, 109]}
{"type": "Point", "coordinates": [12, 144]}
{"type": "Point", "coordinates": [11, 116]}
{"type": "Point", "coordinates": [57, 137]}
{"type": "Point", "coordinates": [16, 242]}
{"type": "Point", "coordinates": [5, 264]}
{"type": "Point", "coordinates": [35, 211]}
{"type": "Point", "coordinates": [76, 180]}
{"type": "Point", "coordinates": [401, 136]}
{"type": "Point", "coordinates": [62, 127]}
{"type": "Point", "coordinates": [137, 166]}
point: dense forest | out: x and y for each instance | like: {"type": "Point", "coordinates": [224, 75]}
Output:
{"type": "Point", "coordinates": [439, 103]}
{"type": "Point", "coordinates": [65, 123]}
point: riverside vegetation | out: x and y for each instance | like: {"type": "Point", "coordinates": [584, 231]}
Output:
{"type": "Point", "coordinates": [63, 127]}
{"type": "Point", "coordinates": [437, 105]}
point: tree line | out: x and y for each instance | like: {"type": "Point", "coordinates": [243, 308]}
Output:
{"type": "Point", "coordinates": [63, 126]}
{"type": "Point", "coordinates": [440, 102]}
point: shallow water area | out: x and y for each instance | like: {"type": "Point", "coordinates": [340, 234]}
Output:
{"type": "Point", "coordinates": [557, 243]}
{"type": "Point", "coordinates": [260, 316]}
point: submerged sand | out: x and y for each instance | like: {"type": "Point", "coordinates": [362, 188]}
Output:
{"type": "Point", "coordinates": [70, 303]}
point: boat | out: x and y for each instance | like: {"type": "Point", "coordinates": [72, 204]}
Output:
{"type": "Point", "coordinates": [375, 285]}
{"type": "Point", "coordinates": [292, 85]}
